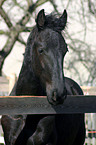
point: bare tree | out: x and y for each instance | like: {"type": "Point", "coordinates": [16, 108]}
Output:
{"type": "Point", "coordinates": [81, 50]}
{"type": "Point", "coordinates": [81, 47]}
{"type": "Point", "coordinates": [13, 33]}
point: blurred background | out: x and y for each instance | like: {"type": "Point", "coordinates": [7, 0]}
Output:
{"type": "Point", "coordinates": [17, 18]}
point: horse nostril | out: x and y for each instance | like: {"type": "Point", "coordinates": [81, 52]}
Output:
{"type": "Point", "coordinates": [54, 96]}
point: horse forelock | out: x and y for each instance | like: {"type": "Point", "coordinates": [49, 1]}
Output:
{"type": "Point", "coordinates": [52, 23]}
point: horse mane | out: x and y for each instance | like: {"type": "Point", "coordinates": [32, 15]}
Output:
{"type": "Point", "coordinates": [30, 41]}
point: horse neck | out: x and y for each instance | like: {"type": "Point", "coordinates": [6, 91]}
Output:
{"type": "Point", "coordinates": [28, 83]}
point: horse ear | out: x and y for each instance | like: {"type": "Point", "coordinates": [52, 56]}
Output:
{"type": "Point", "coordinates": [40, 19]}
{"type": "Point", "coordinates": [63, 20]}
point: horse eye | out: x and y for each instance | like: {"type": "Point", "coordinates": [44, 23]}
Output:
{"type": "Point", "coordinates": [40, 51]}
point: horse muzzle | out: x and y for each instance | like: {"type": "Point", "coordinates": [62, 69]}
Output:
{"type": "Point", "coordinates": [55, 98]}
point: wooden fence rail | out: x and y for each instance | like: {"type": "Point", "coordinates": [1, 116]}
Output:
{"type": "Point", "coordinates": [39, 105]}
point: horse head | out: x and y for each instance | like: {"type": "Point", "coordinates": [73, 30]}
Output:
{"type": "Point", "coordinates": [47, 55]}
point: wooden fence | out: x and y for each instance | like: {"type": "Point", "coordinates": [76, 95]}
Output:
{"type": "Point", "coordinates": [39, 105]}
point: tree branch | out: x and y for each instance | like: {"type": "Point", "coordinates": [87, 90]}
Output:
{"type": "Point", "coordinates": [55, 6]}
{"type": "Point", "coordinates": [1, 2]}
{"type": "Point", "coordinates": [30, 10]}
{"type": "Point", "coordinates": [5, 17]}
{"type": "Point", "coordinates": [16, 30]}
{"type": "Point", "coordinates": [20, 39]}
{"type": "Point", "coordinates": [92, 8]}
{"type": "Point", "coordinates": [2, 32]}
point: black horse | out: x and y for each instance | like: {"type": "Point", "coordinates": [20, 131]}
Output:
{"type": "Point", "coordinates": [42, 75]}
